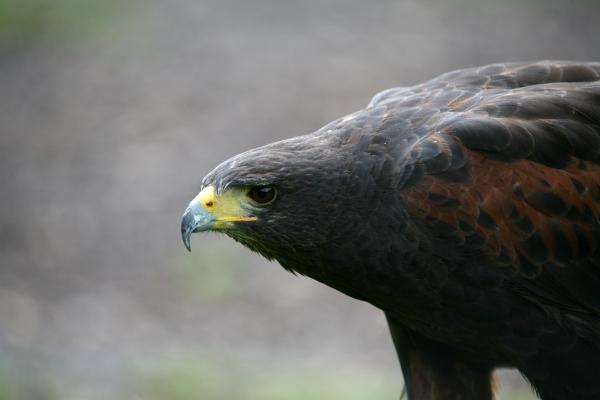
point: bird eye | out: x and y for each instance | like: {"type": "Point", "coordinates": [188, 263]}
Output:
{"type": "Point", "coordinates": [262, 195]}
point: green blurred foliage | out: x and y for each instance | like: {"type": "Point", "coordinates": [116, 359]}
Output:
{"type": "Point", "coordinates": [29, 20]}
{"type": "Point", "coordinates": [206, 378]}
{"type": "Point", "coordinates": [25, 384]}
{"type": "Point", "coordinates": [179, 380]}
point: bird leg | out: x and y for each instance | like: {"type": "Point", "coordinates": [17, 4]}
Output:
{"type": "Point", "coordinates": [432, 371]}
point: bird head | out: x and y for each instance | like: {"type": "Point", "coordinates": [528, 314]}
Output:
{"type": "Point", "coordinates": [283, 198]}
{"type": "Point", "coordinates": [291, 198]}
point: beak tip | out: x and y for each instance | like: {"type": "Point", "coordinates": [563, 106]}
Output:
{"type": "Point", "coordinates": [185, 237]}
{"type": "Point", "coordinates": [194, 219]}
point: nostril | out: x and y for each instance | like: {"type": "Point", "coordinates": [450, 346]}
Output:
{"type": "Point", "coordinates": [209, 204]}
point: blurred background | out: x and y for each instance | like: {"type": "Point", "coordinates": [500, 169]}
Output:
{"type": "Point", "coordinates": [112, 111]}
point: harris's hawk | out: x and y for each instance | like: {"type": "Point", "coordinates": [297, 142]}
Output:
{"type": "Point", "coordinates": [467, 208]}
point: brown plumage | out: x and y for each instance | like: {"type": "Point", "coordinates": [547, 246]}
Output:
{"type": "Point", "coordinates": [524, 215]}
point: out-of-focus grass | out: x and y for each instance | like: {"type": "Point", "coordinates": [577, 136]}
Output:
{"type": "Point", "coordinates": [181, 379]}
{"type": "Point", "coordinates": [27, 20]}
{"type": "Point", "coordinates": [20, 383]}
{"type": "Point", "coordinates": [22, 388]}
{"type": "Point", "coordinates": [203, 378]}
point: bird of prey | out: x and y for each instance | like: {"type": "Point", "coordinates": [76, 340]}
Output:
{"type": "Point", "coordinates": [466, 208]}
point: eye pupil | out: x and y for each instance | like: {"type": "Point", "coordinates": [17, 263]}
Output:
{"type": "Point", "coordinates": [262, 194]}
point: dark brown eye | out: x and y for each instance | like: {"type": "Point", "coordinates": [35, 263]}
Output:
{"type": "Point", "coordinates": [262, 195]}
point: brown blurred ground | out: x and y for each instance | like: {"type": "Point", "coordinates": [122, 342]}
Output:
{"type": "Point", "coordinates": [109, 118]}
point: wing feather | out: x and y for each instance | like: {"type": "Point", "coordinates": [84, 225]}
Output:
{"type": "Point", "coordinates": [507, 168]}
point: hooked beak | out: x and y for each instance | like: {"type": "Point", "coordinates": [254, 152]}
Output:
{"type": "Point", "coordinates": [195, 219]}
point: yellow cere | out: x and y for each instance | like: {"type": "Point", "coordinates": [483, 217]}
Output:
{"type": "Point", "coordinates": [225, 208]}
